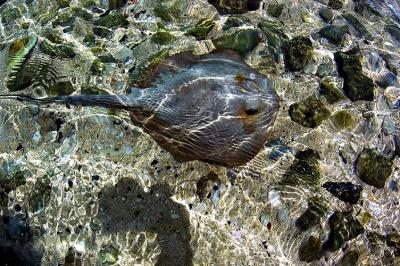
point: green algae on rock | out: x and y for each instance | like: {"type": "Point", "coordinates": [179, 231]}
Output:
{"type": "Point", "coordinates": [162, 37]}
{"type": "Point", "coordinates": [342, 119]}
{"type": "Point", "coordinates": [8, 183]}
{"type": "Point", "coordinates": [343, 227]}
{"type": "Point", "coordinates": [312, 216]}
{"type": "Point", "coordinates": [235, 7]}
{"type": "Point", "coordinates": [345, 191]}
{"type": "Point", "coordinates": [329, 90]}
{"type": "Point", "coordinates": [373, 168]}
{"type": "Point", "coordinates": [275, 9]}
{"type": "Point", "coordinates": [39, 195]}
{"type": "Point", "coordinates": [112, 20]}
{"type": "Point", "coordinates": [168, 13]}
{"type": "Point", "coordinates": [234, 21]}
{"type": "Point", "coordinates": [357, 85]}
{"type": "Point", "coordinates": [358, 25]}
{"type": "Point", "coordinates": [326, 14]}
{"type": "Point", "coordinates": [336, 4]}
{"type": "Point", "coordinates": [60, 88]}
{"type": "Point", "coordinates": [334, 33]}
{"type": "Point", "coordinates": [57, 50]}
{"type": "Point", "coordinates": [202, 28]}
{"type": "Point", "coordinates": [310, 249]}
{"type": "Point", "coordinates": [243, 41]}
{"type": "Point", "coordinates": [350, 258]}
{"type": "Point", "coordinates": [276, 39]}
{"type": "Point", "coordinates": [299, 53]}
{"type": "Point", "coordinates": [309, 112]}
{"type": "Point", "coordinates": [393, 240]}
{"type": "Point", "coordinates": [108, 255]}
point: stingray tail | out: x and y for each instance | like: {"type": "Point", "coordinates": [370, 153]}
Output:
{"type": "Point", "coordinates": [114, 101]}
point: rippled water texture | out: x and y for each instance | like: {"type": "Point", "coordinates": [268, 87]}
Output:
{"type": "Point", "coordinates": [84, 186]}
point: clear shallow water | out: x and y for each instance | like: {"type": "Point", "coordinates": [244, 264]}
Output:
{"type": "Point", "coordinates": [85, 186]}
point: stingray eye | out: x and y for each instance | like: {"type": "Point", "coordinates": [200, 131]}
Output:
{"type": "Point", "coordinates": [251, 111]}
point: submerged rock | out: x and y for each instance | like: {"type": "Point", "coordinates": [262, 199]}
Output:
{"type": "Point", "coordinates": [108, 255]}
{"type": "Point", "coordinates": [8, 183]}
{"type": "Point", "coordinates": [343, 228]}
{"type": "Point", "coordinates": [312, 216]}
{"type": "Point", "coordinates": [326, 14]}
{"type": "Point", "coordinates": [234, 21]}
{"type": "Point", "coordinates": [357, 85]}
{"type": "Point", "coordinates": [358, 25]}
{"type": "Point", "coordinates": [57, 50]}
{"type": "Point", "coordinates": [334, 34]}
{"type": "Point", "coordinates": [325, 70]}
{"type": "Point", "coordinates": [276, 38]}
{"type": "Point", "coordinates": [202, 28]}
{"type": "Point", "coordinates": [310, 249]}
{"type": "Point", "coordinates": [336, 4]}
{"type": "Point", "coordinates": [112, 20]}
{"type": "Point", "coordinates": [330, 91]}
{"type": "Point", "coordinates": [373, 168]}
{"type": "Point", "coordinates": [162, 37]}
{"type": "Point", "coordinates": [350, 258]}
{"type": "Point", "coordinates": [393, 240]}
{"type": "Point", "coordinates": [242, 41]}
{"type": "Point", "coordinates": [235, 6]}
{"type": "Point", "coordinates": [342, 119]}
{"type": "Point", "coordinates": [345, 191]}
{"type": "Point", "coordinates": [300, 52]}
{"type": "Point", "coordinates": [388, 79]}
{"type": "Point", "coordinates": [116, 4]}
{"type": "Point", "coordinates": [275, 9]}
{"type": "Point", "coordinates": [309, 112]}
{"type": "Point", "coordinates": [168, 13]}
{"type": "Point", "coordinates": [207, 186]}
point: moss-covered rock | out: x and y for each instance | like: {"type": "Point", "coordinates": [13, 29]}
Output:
{"type": "Point", "coordinates": [10, 14]}
{"type": "Point", "coordinates": [310, 249]}
{"type": "Point", "coordinates": [162, 37]}
{"type": "Point", "coordinates": [116, 4]}
{"type": "Point", "coordinates": [108, 255]}
{"type": "Point", "coordinates": [9, 182]}
{"type": "Point", "coordinates": [61, 88]}
{"type": "Point", "coordinates": [326, 14]}
{"type": "Point", "coordinates": [357, 85]}
{"type": "Point", "coordinates": [312, 216]}
{"type": "Point", "coordinates": [57, 50]}
{"type": "Point", "coordinates": [202, 28]}
{"type": "Point", "coordinates": [92, 90]}
{"type": "Point", "coordinates": [350, 258]}
{"type": "Point", "coordinates": [275, 9]}
{"type": "Point", "coordinates": [336, 4]}
{"type": "Point", "coordinates": [309, 112]}
{"type": "Point", "coordinates": [112, 20]}
{"type": "Point", "coordinates": [234, 21]}
{"type": "Point", "coordinates": [304, 171]}
{"type": "Point", "coordinates": [373, 168]}
{"type": "Point", "coordinates": [344, 227]}
{"type": "Point", "coordinates": [53, 36]}
{"type": "Point", "coordinates": [63, 3]}
{"type": "Point", "coordinates": [334, 34]}
{"type": "Point", "coordinates": [101, 31]}
{"type": "Point", "coordinates": [100, 63]}
{"type": "Point", "coordinates": [358, 25]}
{"type": "Point", "coordinates": [330, 91]}
{"type": "Point", "coordinates": [345, 191]}
{"type": "Point", "coordinates": [342, 119]}
{"type": "Point", "coordinates": [276, 39]}
{"type": "Point", "coordinates": [168, 13]}
{"type": "Point", "coordinates": [242, 41]}
{"type": "Point", "coordinates": [235, 7]}
{"type": "Point", "coordinates": [393, 240]}
{"type": "Point", "coordinates": [299, 53]}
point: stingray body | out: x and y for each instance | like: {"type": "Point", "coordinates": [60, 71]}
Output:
{"type": "Point", "coordinates": [213, 107]}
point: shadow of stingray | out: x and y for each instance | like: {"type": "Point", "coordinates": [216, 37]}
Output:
{"type": "Point", "coordinates": [126, 206]}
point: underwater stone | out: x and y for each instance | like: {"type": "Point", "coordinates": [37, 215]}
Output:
{"type": "Point", "coordinates": [325, 70]}
{"type": "Point", "coordinates": [234, 21]}
{"type": "Point", "coordinates": [357, 25]}
{"type": "Point", "coordinates": [336, 4]}
{"type": "Point", "coordinates": [63, 3]}
{"type": "Point", "coordinates": [342, 119]}
{"type": "Point", "coordinates": [357, 85]}
{"type": "Point", "coordinates": [310, 249]}
{"type": "Point", "coordinates": [108, 255]}
{"type": "Point", "coordinates": [329, 90]}
{"type": "Point", "coordinates": [235, 6]}
{"type": "Point", "coordinates": [277, 40]}
{"type": "Point", "coordinates": [57, 50]}
{"type": "Point", "coordinates": [312, 216]}
{"type": "Point", "coordinates": [202, 28]}
{"type": "Point", "coordinates": [388, 79]}
{"type": "Point", "coordinates": [101, 31]}
{"type": "Point", "coordinates": [394, 31]}
{"type": "Point", "coordinates": [206, 184]}
{"type": "Point", "coordinates": [350, 258]}
{"type": "Point", "coordinates": [60, 88]}
{"type": "Point", "coordinates": [116, 4]}
{"type": "Point", "coordinates": [334, 33]}
{"type": "Point", "coordinates": [373, 168]}
{"type": "Point", "coordinates": [162, 37]}
{"type": "Point", "coordinates": [275, 10]}
{"type": "Point", "coordinates": [305, 170]}
{"type": "Point", "coordinates": [393, 240]}
{"type": "Point", "coordinates": [345, 191]}
{"type": "Point", "coordinates": [326, 14]}
{"type": "Point", "coordinates": [309, 112]}
{"type": "Point", "coordinates": [344, 227]}
{"type": "Point", "coordinates": [299, 53]}
{"type": "Point", "coordinates": [8, 183]}
{"type": "Point", "coordinates": [242, 41]}
{"type": "Point", "coordinates": [112, 20]}
{"type": "Point", "coordinates": [168, 13]}
{"type": "Point", "coordinates": [39, 195]}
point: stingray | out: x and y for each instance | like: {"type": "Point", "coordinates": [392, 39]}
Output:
{"type": "Point", "coordinates": [213, 107]}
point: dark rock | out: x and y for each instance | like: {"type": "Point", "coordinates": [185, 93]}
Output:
{"type": "Point", "coordinates": [40, 195]}
{"type": "Point", "coordinates": [326, 14]}
{"type": "Point", "coordinates": [8, 183]}
{"type": "Point", "coordinates": [310, 249]}
{"type": "Point", "coordinates": [234, 21]}
{"type": "Point", "coordinates": [336, 4]}
{"type": "Point", "coordinates": [334, 34]}
{"type": "Point", "coordinates": [57, 50]}
{"type": "Point", "coordinates": [278, 148]}
{"type": "Point", "coordinates": [63, 3]}
{"type": "Point", "coordinates": [168, 13]}
{"type": "Point", "coordinates": [275, 9]}
{"type": "Point", "coordinates": [342, 119]}
{"type": "Point", "coordinates": [394, 31]}
{"type": "Point", "coordinates": [116, 4]}
{"type": "Point", "coordinates": [235, 6]}
{"type": "Point", "coordinates": [345, 191]}
{"type": "Point", "coordinates": [73, 257]}
{"type": "Point", "coordinates": [312, 216]}
{"type": "Point", "coordinates": [304, 170]}
{"type": "Point", "coordinates": [202, 28]}
{"type": "Point", "coordinates": [309, 112]}
{"type": "Point", "coordinates": [299, 53]}
{"type": "Point", "coordinates": [373, 168]}
{"type": "Point", "coordinates": [112, 20]}
{"type": "Point", "coordinates": [357, 85]}
{"type": "Point", "coordinates": [350, 258]}
{"type": "Point", "coordinates": [162, 37]}
{"type": "Point", "coordinates": [277, 40]}
{"type": "Point", "coordinates": [358, 25]}
{"type": "Point", "coordinates": [242, 41]}
{"type": "Point", "coordinates": [393, 240]}
{"type": "Point", "coordinates": [206, 184]}
{"type": "Point", "coordinates": [101, 31]}
{"type": "Point", "coordinates": [388, 79]}
{"type": "Point", "coordinates": [329, 90]}
{"type": "Point", "coordinates": [60, 88]}
{"type": "Point", "coordinates": [325, 70]}
{"type": "Point", "coordinates": [343, 228]}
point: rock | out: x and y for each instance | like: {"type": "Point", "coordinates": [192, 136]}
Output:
{"type": "Point", "coordinates": [40, 194]}
{"type": "Point", "coordinates": [336, 4]}
{"type": "Point", "coordinates": [329, 90]}
{"type": "Point", "coordinates": [393, 240]}
{"type": "Point", "coordinates": [207, 186]}
{"type": "Point", "coordinates": [325, 70]}
{"type": "Point", "coordinates": [242, 41]}
{"type": "Point", "coordinates": [312, 216]}
{"type": "Point", "coordinates": [373, 168]}
{"type": "Point", "coordinates": [9, 181]}
{"type": "Point", "coordinates": [358, 25]}
{"type": "Point", "coordinates": [168, 13]}
{"type": "Point", "coordinates": [345, 191]}
{"type": "Point", "coordinates": [63, 3]}
{"type": "Point", "coordinates": [334, 34]}
{"type": "Point", "coordinates": [202, 28]}
{"type": "Point", "coordinates": [275, 9]}
{"type": "Point", "coordinates": [277, 40]}
{"type": "Point", "coordinates": [278, 149]}
{"type": "Point", "coordinates": [235, 6]}
{"type": "Point", "coordinates": [108, 255]}
{"type": "Point", "coordinates": [116, 4]}
{"type": "Point", "coordinates": [112, 20]}
{"type": "Point", "coordinates": [234, 21]}
{"type": "Point", "coordinates": [162, 37]}
{"type": "Point", "coordinates": [60, 88]}
{"type": "Point", "coordinates": [299, 53]}
{"type": "Point", "coordinates": [326, 14]}
{"type": "Point", "coordinates": [304, 171]}
{"type": "Point", "coordinates": [350, 258]}
{"type": "Point", "coordinates": [342, 119]}
{"type": "Point", "coordinates": [394, 31]}
{"type": "Point", "coordinates": [57, 50]}
{"type": "Point", "coordinates": [343, 228]}
{"type": "Point", "coordinates": [310, 249]}
{"type": "Point", "coordinates": [357, 85]}
{"type": "Point", "coordinates": [388, 79]}
{"type": "Point", "coordinates": [388, 126]}
{"type": "Point", "coordinates": [101, 31]}
{"type": "Point", "coordinates": [309, 112]}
